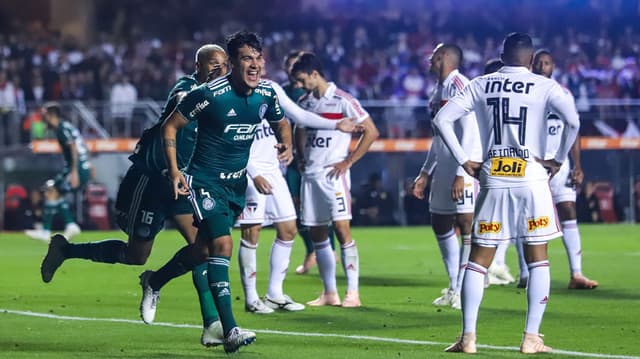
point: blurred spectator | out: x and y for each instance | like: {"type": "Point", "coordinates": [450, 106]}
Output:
{"type": "Point", "coordinates": [587, 204]}
{"type": "Point", "coordinates": [416, 210]}
{"type": "Point", "coordinates": [16, 206]}
{"type": "Point", "coordinates": [375, 205]}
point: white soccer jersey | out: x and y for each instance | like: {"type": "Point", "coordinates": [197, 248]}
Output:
{"type": "Point", "coordinates": [511, 106]}
{"type": "Point", "coordinates": [466, 130]}
{"type": "Point", "coordinates": [555, 127]}
{"type": "Point", "coordinates": [297, 114]}
{"type": "Point", "coordinates": [263, 157]}
{"type": "Point", "coordinates": [325, 147]}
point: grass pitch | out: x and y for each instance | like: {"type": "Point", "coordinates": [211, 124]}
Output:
{"type": "Point", "coordinates": [91, 309]}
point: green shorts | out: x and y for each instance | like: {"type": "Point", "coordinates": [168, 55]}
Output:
{"type": "Point", "coordinates": [61, 180]}
{"type": "Point", "coordinates": [143, 203]}
{"type": "Point", "coordinates": [216, 208]}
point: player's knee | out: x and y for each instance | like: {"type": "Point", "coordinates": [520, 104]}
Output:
{"type": "Point", "coordinates": [287, 231]}
{"type": "Point", "coordinates": [137, 259]}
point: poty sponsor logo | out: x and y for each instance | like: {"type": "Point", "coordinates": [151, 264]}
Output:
{"type": "Point", "coordinates": [489, 227]}
{"type": "Point", "coordinates": [537, 223]}
{"type": "Point", "coordinates": [199, 107]}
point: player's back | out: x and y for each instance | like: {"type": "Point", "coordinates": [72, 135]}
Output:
{"type": "Point", "coordinates": [511, 107]}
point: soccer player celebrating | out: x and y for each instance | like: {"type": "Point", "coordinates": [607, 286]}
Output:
{"type": "Point", "coordinates": [514, 201]}
{"type": "Point", "coordinates": [325, 188]}
{"type": "Point", "coordinates": [144, 201]}
{"type": "Point", "coordinates": [453, 191]}
{"type": "Point", "coordinates": [228, 111]}
{"type": "Point", "coordinates": [564, 182]}
{"type": "Point", "coordinates": [75, 175]}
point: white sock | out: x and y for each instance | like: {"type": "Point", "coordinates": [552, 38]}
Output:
{"type": "Point", "coordinates": [464, 259]}
{"type": "Point", "coordinates": [524, 269]}
{"type": "Point", "coordinates": [571, 240]}
{"type": "Point", "coordinates": [450, 251]}
{"type": "Point", "coordinates": [278, 265]}
{"type": "Point", "coordinates": [248, 268]}
{"type": "Point", "coordinates": [351, 265]}
{"type": "Point", "coordinates": [501, 253]}
{"type": "Point", "coordinates": [472, 292]}
{"type": "Point", "coordinates": [537, 295]}
{"type": "Point", "coordinates": [326, 265]}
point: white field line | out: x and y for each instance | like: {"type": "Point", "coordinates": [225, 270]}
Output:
{"type": "Point", "coordinates": [324, 335]}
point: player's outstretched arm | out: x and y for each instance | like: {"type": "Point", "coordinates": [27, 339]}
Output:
{"type": "Point", "coordinates": [170, 128]}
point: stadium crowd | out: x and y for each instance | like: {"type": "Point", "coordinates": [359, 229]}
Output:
{"type": "Point", "coordinates": [376, 53]}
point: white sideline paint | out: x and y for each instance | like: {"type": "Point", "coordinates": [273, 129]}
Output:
{"type": "Point", "coordinates": [325, 335]}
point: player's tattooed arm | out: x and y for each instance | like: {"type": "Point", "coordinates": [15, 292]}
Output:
{"type": "Point", "coordinates": [170, 128]}
{"type": "Point", "coordinates": [169, 142]}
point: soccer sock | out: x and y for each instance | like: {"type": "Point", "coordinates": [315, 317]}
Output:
{"type": "Point", "coordinates": [332, 238]}
{"type": "Point", "coordinates": [248, 267]}
{"type": "Point", "coordinates": [218, 275]}
{"type": "Point", "coordinates": [351, 265]}
{"type": "Point", "coordinates": [326, 265]}
{"type": "Point", "coordinates": [64, 208]}
{"type": "Point", "coordinates": [107, 251]}
{"type": "Point", "coordinates": [48, 212]}
{"type": "Point", "coordinates": [472, 292]}
{"type": "Point", "coordinates": [464, 259]}
{"type": "Point", "coordinates": [306, 238]}
{"type": "Point", "coordinates": [181, 263]}
{"type": "Point", "coordinates": [207, 305]}
{"type": "Point", "coordinates": [450, 251]}
{"type": "Point", "coordinates": [571, 240]}
{"type": "Point", "coordinates": [501, 253]}
{"type": "Point", "coordinates": [278, 265]}
{"type": "Point", "coordinates": [524, 269]}
{"type": "Point", "coordinates": [537, 295]}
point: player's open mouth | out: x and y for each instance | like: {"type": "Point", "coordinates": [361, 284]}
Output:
{"type": "Point", "coordinates": [252, 75]}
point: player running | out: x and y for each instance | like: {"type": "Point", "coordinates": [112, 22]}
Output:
{"type": "Point", "coordinates": [514, 201]}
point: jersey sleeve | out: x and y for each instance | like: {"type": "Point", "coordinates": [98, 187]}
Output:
{"type": "Point", "coordinates": [451, 112]}
{"type": "Point", "coordinates": [300, 116]}
{"type": "Point", "coordinates": [192, 104]}
{"type": "Point", "coordinates": [353, 109]}
{"type": "Point", "coordinates": [274, 111]}
{"type": "Point", "coordinates": [563, 105]}
{"type": "Point", "coordinates": [431, 161]}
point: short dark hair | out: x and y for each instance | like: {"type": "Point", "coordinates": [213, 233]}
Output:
{"type": "Point", "coordinates": [52, 107]}
{"type": "Point", "coordinates": [241, 38]}
{"type": "Point", "coordinates": [307, 63]}
{"type": "Point", "coordinates": [515, 42]}
{"type": "Point", "coordinates": [492, 66]}
{"type": "Point", "coordinates": [541, 52]}
{"type": "Point", "coordinates": [292, 55]}
{"type": "Point", "coordinates": [454, 50]}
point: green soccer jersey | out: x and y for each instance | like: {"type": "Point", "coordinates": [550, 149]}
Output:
{"type": "Point", "coordinates": [227, 122]}
{"type": "Point", "coordinates": [68, 135]}
{"type": "Point", "coordinates": [149, 152]}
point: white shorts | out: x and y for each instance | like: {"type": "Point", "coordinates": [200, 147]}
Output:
{"type": "Point", "coordinates": [559, 189]}
{"type": "Point", "coordinates": [525, 213]}
{"type": "Point", "coordinates": [440, 201]}
{"type": "Point", "coordinates": [324, 200]}
{"type": "Point", "coordinates": [266, 209]}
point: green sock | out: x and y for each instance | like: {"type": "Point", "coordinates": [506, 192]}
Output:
{"type": "Point", "coordinates": [308, 243]}
{"type": "Point", "coordinates": [218, 274]}
{"type": "Point", "coordinates": [64, 208]}
{"type": "Point", "coordinates": [48, 212]}
{"type": "Point", "coordinates": [207, 305]}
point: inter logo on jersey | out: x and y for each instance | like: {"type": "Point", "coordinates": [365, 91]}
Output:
{"type": "Point", "coordinates": [508, 167]}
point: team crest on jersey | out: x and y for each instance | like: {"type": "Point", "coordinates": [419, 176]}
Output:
{"type": "Point", "coordinates": [262, 110]}
{"type": "Point", "coordinates": [208, 204]}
